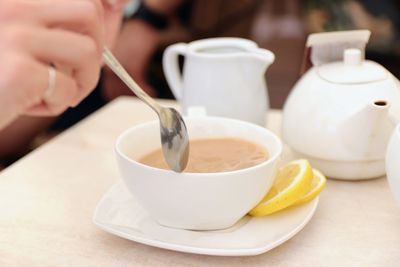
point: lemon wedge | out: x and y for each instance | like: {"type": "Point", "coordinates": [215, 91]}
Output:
{"type": "Point", "coordinates": [293, 181]}
{"type": "Point", "coordinates": [317, 184]}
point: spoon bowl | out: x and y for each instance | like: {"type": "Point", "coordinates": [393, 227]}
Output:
{"type": "Point", "coordinates": [174, 139]}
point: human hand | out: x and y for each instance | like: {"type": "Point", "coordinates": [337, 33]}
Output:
{"type": "Point", "coordinates": [39, 35]}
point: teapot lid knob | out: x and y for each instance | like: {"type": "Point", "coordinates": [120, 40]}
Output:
{"type": "Point", "coordinates": [354, 69]}
{"type": "Point", "coordinates": [352, 57]}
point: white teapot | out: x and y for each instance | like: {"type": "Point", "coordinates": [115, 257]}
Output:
{"type": "Point", "coordinates": [340, 115]}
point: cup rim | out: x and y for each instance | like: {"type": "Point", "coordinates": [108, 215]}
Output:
{"type": "Point", "coordinates": [270, 160]}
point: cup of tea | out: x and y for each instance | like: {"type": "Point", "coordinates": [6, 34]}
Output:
{"type": "Point", "coordinates": [232, 165]}
{"type": "Point", "coordinates": [224, 75]}
{"type": "Point", "coordinates": [393, 163]}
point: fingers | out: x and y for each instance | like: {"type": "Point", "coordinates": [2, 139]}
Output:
{"type": "Point", "coordinates": [60, 90]}
{"type": "Point", "coordinates": [83, 16]}
{"type": "Point", "coordinates": [36, 34]}
{"type": "Point", "coordinates": [73, 53]}
{"type": "Point", "coordinates": [66, 20]}
{"type": "Point", "coordinates": [80, 55]}
{"type": "Point", "coordinates": [87, 17]}
{"type": "Point", "coordinates": [20, 85]}
{"type": "Point", "coordinates": [68, 34]}
{"type": "Point", "coordinates": [25, 83]}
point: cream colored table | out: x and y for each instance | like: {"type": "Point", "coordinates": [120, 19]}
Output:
{"type": "Point", "coordinates": [47, 200]}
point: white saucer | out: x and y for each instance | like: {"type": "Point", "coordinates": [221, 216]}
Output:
{"type": "Point", "coordinates": [118, 213]}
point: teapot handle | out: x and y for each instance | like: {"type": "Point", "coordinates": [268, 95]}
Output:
{"type": "Point", "coordinates": [171, 68]}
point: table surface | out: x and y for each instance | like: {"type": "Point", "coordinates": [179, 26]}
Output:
{"type": "Point", "coordinates": [47, 201]}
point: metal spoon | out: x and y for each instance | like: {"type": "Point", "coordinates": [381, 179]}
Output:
{"type": "Point", "coordinates": [174, 136]}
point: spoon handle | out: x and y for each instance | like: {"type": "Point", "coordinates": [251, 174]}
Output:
{"type": "Point", "coordinates": [117, 68]}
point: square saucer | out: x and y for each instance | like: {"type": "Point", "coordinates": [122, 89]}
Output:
{"type": "Point", "coordinates": [120, 214]}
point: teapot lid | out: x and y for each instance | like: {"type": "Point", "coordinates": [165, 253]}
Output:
{"type": "Point", "coordinates": [352, 70]}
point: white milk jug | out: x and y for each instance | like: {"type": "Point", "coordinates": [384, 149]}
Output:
{"type": "Point", "coordinates": [223, 75]}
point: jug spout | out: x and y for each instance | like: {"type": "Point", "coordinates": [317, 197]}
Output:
{"type": "Point", "coordinates": [259, 60]}
{"type": "Point", "coordinates": [367, 131]}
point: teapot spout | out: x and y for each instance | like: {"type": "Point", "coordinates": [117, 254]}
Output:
{"type": "Point", "coordinates": [368, 130]}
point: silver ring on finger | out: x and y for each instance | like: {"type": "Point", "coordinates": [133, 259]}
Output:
{"type": "Point", "coordinates": [51, 83]}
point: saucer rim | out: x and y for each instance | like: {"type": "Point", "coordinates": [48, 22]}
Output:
{"type": "Point", "coordinates": [112, 229]}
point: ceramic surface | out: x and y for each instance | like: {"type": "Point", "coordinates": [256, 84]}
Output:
{"type": "Point", "coordinates": [224, 75]}
{"type": "Point", "coordinates": [341, 115]}
{"type": "Point", "coordinates": [120, 214]}
{"type": "Point", "coordinates": [393, 163]}
{"type": "Point", "coordinates": [198, 201]}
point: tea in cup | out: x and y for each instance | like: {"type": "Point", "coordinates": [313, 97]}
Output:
{"type": "Point", "coordinates": [214, 155]}
{"type": "Point", "coordinates": [393, 163]}
{"type": "Point", "coordinates": [206, 197]}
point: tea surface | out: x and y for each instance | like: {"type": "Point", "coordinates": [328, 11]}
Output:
{"type": "Point", "coordinates": [214, 155]}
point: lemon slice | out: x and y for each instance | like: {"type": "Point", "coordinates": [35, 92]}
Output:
{"type": "Point", "coordinates": [317, 184]}
{"type": "Point", "coordinates": [292, 182]}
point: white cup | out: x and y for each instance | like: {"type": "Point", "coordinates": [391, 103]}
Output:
{"type": "Point", "coordinates": [393, 163]}
{"type": "Point", "coordinates": [197, 201]}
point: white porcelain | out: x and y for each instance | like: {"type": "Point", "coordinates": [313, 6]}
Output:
{"type": "Point", "coordinates": [120, 214]}
{"type": "Point", "coordinates": [198, 201]}
{"type": "Point", "coordinates": [340, 116]}
{"type": "Point", "coordinates": [224, 75]}
{"type": "Point", "coordinates": [393, 163]}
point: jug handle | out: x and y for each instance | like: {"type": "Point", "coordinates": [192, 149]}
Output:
{"type": "Point", "coordinates": [171, 68]}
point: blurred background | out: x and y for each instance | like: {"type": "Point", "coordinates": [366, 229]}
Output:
{"type": "Point", "coordinates": [278, 25]}
{"type": "Point", "coordinates": [281, 26]}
